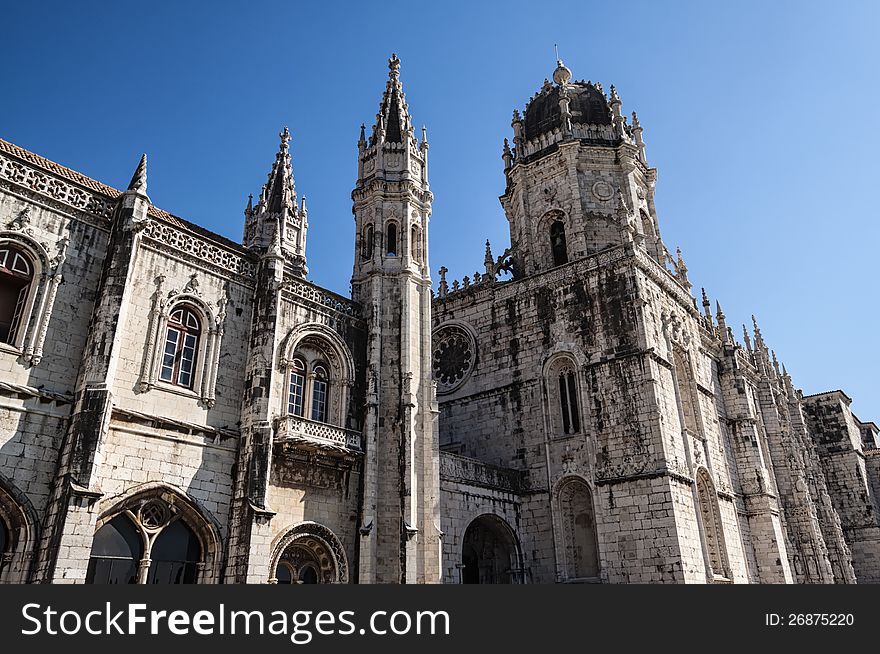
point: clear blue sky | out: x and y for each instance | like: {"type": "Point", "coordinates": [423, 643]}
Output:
{"type": "Point", "coordinates": [760, 117]}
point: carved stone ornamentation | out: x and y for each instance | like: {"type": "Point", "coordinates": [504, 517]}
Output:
{"type": "Point", "coordinates": [454, 356]}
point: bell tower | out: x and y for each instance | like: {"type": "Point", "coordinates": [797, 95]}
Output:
{"type": "Point", "coordinates": [577, 178]}
{"type": "Point", "coordinates": [400, 521]}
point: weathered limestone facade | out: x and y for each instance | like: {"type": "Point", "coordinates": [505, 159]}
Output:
{"type": "Point", "coordinates": [601, 424]}
{"type": "Point", "coordinates": [179, 408]}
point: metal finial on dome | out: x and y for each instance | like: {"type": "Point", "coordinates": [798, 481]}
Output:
{"type": "Point", "coordinates": [561, 75]}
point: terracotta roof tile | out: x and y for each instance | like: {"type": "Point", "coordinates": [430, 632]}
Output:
{"type": "Point", "coordinates": [112, 193]}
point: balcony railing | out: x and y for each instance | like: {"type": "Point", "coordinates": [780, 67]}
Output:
{"type": "Point", "coordinates": [297, 430]}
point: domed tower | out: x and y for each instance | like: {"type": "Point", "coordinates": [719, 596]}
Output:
{"type": "Point", "coordinates": [578, 181]}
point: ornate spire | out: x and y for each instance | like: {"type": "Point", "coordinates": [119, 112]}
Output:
{"type": "Point", "coordinates": [393, 122]}
{"type": "Point", "coordinates": [681, 268]}
{"type": "Point", "coordinates": [759, 339]}
{"type": "Point", "coordinates": [789, 387]}
{"type": "Point", "coordinates": [138, 181]}
{"type": "Point", "coordinates": [719, 316]}
{"type": "Point", "coordinates": [506, 155]}
{"type": "Point", "coordinates": [280, 189]}
{"type": "Point", "coordinates": [746, 339]}
{"type": "Point", "coordinates": [489, 261]}
{"type": "Point", "coordinates": [276, 224]}
{"type": "Point", "coordinates": [639, 139]}
{"type": "Point", "coordinates": [707, 306]}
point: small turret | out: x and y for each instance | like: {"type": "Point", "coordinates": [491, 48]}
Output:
{"type": "Point", "coordinates": [276, 222]}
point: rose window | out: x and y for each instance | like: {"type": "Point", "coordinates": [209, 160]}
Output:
{"type": "Point", "coordinates": [453, 357]}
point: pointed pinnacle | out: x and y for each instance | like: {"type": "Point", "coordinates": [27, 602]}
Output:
{"type": "Point", "coordinates": [719, 313]}
{"type": "Point", "coordinates": [139, 179]}
{"type": "Point", "coordinates": [759, 339]}
{"type": "Point", "coordinates": [394, 66]}
{"type": "Point", "coordinates": [748, 341]}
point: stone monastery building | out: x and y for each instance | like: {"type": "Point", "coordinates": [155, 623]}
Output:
{"type": "Point", "coordinates": [179, 408]}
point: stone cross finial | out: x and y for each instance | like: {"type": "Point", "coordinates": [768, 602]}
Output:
{"type": "Point", "coordinates": [443, 288]}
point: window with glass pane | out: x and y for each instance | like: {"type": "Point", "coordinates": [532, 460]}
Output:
{"type": "Point", "coordinates": [175, 556]}
{"type": "Point", "coordinates": [319, 395]}
{"type": "Point", "coordinates": [297, 388]}
{"type": "Point", "coordinates": [181, 348]}
{"type": "Point", "coordinates": [116, 551]}
{"type": "Point", "coordinates": [16, 275]}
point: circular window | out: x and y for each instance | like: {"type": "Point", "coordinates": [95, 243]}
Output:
{"type": "Point", "coordinates": [453, 357]}
{"type": "Point", "coordinates": [154, 514]}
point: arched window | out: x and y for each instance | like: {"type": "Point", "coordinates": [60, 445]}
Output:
{"type": "Point", "coordinates": [116, 553]}
{"type": "Point", "coordinates": [298, 565]}
{"type": "Point", "coordinates": [391, 239]}
{"type": "Point", "coordinates": [712, 529]}
{"type": "Point", "coordinates": [319, 394]}
{"type": "Point", "coordinates": [416, 243]}
{"type": "Point", "coordinates": [569, 406]}
{"type": "Point", "coordinates": [16, 276]}
{"type": "Point", "coordinates": [181, 347]}
{"type": "Point", "coordinates": [581, 555]}
{"type": "Point", "coordinates": [175, 556]}
{"type": "Point", "coordinates": [296, 392]}
{"type": "Point", "coordinates": [558, 245]}
{"type": "Point", "coordinates": [150, 543]}
{"type": "Point", "coordinates": [367, 242]}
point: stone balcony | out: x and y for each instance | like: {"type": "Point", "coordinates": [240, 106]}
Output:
{"type": "Point", "coordinates": [303, 434]}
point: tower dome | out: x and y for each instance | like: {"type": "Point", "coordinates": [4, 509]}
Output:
{"type": "Point", "coordinates": [588, 105]}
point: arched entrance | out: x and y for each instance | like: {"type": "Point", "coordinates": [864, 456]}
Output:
{"type": "Point", "coordinates": [17, 534]}
{"type": "Point", "coordinates": [309, 554]}
{"type": "Point", "coordinates": [578, 519]}
{"type": "Point", "coordinates": [490, 554]}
